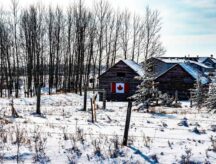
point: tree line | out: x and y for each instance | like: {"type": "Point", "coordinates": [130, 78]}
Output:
{"type": "Point", "coordinates": [66, 49]}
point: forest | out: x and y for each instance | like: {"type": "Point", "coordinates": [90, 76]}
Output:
{"type": "Point", "coordinates": [67, 49]}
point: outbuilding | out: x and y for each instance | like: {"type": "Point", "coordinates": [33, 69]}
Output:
{"type": "Point", "coordinates": [121, 80]}
{"type": "Point", "coordinates": [180, 78]}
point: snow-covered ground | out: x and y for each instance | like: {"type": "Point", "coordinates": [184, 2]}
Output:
{"type": "Point", "coordinates": [65, 133]}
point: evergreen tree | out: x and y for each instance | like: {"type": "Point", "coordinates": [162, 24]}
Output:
{"type": "Point", "coordinates": [198, 94]}
{"type": "Point", "coordinates": [147, 92]}
{"type": "Point", "coordinates": [211, 97]}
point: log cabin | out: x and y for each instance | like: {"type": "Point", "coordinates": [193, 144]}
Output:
{"type": "Point", "coordinates": [171, 75]}
{"type": "Point", "coordinates": [210, 62]}
{"type": "Point", "coordinates": [120, 81]}
{"type": "Point", "coordinates": [181, 78]}
{"type": "Point", "coordinates": [162, 64]}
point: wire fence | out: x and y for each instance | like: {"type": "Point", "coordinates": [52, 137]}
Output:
{"type": "Point", "coordinates": [121, 135]}
{"type": "Point", "coordinates": [141, 117]}
{"type": "Point", "coordinates": [66, 124]}
{"type": "Point", "coordinates": [77, 125]}
{"type": "Point", "coordinates": [119, 117]}
{"type": "Point", "coordinates": [164, 117]}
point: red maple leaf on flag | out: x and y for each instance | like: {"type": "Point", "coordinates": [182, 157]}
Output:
{"type": "Point", "coordinates": [120, 87]}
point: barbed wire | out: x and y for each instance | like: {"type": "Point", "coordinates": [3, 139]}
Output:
{"type": "Point", "coordinates": [120, 135]}
{"type": "Point", "coordinates": [153, 116]}
{"type": "Point", "coordinates": [66, 125]}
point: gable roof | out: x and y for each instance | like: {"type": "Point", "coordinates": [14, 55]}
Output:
{"type": "Point", "coordinates": [200, 64]}
{"type": "Point", "coordinates": [196, 74]}
{"type": "Point", "coordinates": [197, 59]}
{"type": "Point", "coordinates": [181, 60]}
{"type": "Point", "coordinates": [172, 60]}
{"type": "Point", "coordinates": [135, 66]}
{"type": "Point", "coordinates": [202, 59]}
{"type": "Point", "coordinates": [214, 60]}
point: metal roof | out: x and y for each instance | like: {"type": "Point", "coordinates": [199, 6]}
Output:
{"type": "Point", "coordinates": [135, 66]}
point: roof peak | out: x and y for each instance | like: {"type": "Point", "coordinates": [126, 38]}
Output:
{"type": "Point", "coordinates": [135, 66]}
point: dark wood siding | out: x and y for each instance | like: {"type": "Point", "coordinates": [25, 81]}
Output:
{"type": "Point", "coordinates": [158, 66]}
{"type": "Point", "coordinates": [176, 79]}
{"type": "Point", "coordinates": [110, 76]}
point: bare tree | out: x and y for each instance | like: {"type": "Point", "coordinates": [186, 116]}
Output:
{"type": "Point", "coordinates": [102, 10]}
{"type": "Point", "coordinates": [152, 45]}
{"type": "Point", "coordinates": [58, 27]}
{"type": "Point", "coordinates": [125, 32]}
{"type": "Point", "coordinates": [27, 42]}
{"type": "Point", "coordinates": [110, 25]}
{"type": "Point", "coordinates": [90, 45]}
{"type": "Point", "coordinates": [81, 22]}
{"type": "Point", "coordinates": [67, 49]}
{"type": "Point", "coordinates": [136, 30]}
{"type": "Point", "coordinates": [50, 26]}
{"type": "Point", "coordinates": [68, 59]}
{"type": "Point", "coordinates": [34, 31]}
{"type": "Point", "coordinates": [15, 44]}
{"type": "Point", "coordinates": [115, 45]}
{"type": "Point", "coordinates": [5, 47]}
{"type": "Point", "coordinates": [40, 43]}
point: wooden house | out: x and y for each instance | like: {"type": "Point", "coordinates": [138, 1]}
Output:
{"type": "Point", "coordinates": [210, 62]}
{"type": "Point", "coordinates": [181, 78]}
{"type": "Point", "coordinates": [120, 80]}
{"type": "Point", "coordinates": [162, 64]}
{"type": "Point", "coordinates": [158, 66]}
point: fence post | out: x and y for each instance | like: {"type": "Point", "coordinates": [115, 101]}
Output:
{"type": "Point", "coordinates": [95, 107]}
{"type": "Point", "coordinates": [104, 99]}
{"type": "Point", "coordinates": [92, 111]}
{"type": "Point", "coordinates": [127, 123]}
{"type": "Point", "coordinates": [176, 96]}
{"type": "Point", "coordinates": [85, 98]}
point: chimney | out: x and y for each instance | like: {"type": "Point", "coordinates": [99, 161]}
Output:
{"type": "Point", "coordinates": [211, 55]}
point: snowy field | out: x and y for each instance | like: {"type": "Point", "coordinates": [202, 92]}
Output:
{"type": "Point", "coordinates": [65, 134]}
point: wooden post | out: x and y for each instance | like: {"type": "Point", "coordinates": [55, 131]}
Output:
{"type": "Point", "coordinates": [92, 111]}
{"type": "Point", "coordinates": [94, 108]}
{"type": "Point", "coordinates": [127, 123]}
{"type": "Point", "coordinates": [31, 92]}
{"type": "Point", "coordinates": [85, 99]}
{"type": "Point", "coordinates": [157, 97]}
{"type": "Point", "coordinates": [176, 96]}
{"type": "Point", "coordinates": [191, 103]}
{"type": "Point", "coordinates": [14, 112]}
{"type": "Point", "coordinates": [38, 111]}
{"type": "Point", "coordinates": [104, 99]}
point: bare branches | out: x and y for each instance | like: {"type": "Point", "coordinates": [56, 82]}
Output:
{"type": "Point", "coordinates": [152, 45]}
{"type": "Point", "coordinates": [125, 33]}
{"type": "Point", "coordinates": [102, 12]}
{"type": "Point", "coordinates": [63, 50]}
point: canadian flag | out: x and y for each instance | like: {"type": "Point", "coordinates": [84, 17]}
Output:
{"type": "Point", "coordinates": [120, 88]}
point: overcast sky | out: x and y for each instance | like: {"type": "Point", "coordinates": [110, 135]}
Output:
{"type": "Point", "coordinates": [188, 26]}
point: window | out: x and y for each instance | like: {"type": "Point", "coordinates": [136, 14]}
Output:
{"type": "Point", "coordinates": [120, 74]}
{"type": "Point", "coordinates": [91, 80]}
